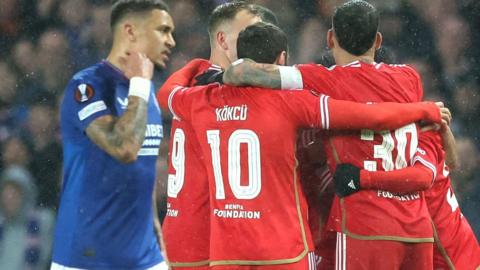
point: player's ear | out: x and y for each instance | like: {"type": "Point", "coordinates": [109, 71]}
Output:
{"type": "Point", "coordinates": [129, 31]}
{"type": "Point", "coordinates": [330, 37]}
{"type": "Point", "coordinates": [281, 59]}
{"type": "Point", "coordinates": [221, 40]}
{"type": "Point", "coordinates": [378, 40]}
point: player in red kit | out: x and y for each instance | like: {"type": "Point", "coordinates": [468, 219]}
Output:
{"type": "Point", "coordinates": [238, 133]}
{"type": "Point", "coordinates": [368, 221]}
{"type": "Point", "coordinates": [187, 223]}
{"type": "Point", "coordinates": [456, 244]}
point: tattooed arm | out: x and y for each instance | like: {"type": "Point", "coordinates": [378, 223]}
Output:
{"type": "Point", "coordinates": [122, 137]}
{"type": "Point", "coordinates": [248, 72]}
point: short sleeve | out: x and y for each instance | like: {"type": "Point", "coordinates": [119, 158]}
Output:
{"type": "Point", "coordinates": [317, 78]}
{"type": "Point", "coordinates": [416, 81]}
{"type": "Point", "coordinates": [307, 108]}
{"type": "Point", "coordinates": [179, 102]}
{"type": "Point", "coordinates": [429, 152]}
{"type": "Point", "coordinates": [85, 101]}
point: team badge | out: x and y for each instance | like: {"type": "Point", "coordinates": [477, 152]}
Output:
{"type": "Point", "coordinates": [83, 93]}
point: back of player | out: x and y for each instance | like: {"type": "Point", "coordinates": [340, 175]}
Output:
{"type": "Point", "coordinates": [378, 215]}
{"type": "Point", "coordinates": [259, 211]}
{"type": "Point", "coordinates": [256, 198]}
{"type": "Point", "coordinates": [456, 244]}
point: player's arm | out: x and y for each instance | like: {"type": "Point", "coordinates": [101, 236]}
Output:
{"type": "Point", "coordinates": [449, 145]}
{"type": "Point", "coordinates": [157, 226]}
{"type": "Point", "coordinates": [248, 72]}
{"type": "Point", "coordinates": [122, 137]}
{"type": "Point", "coordinates": [350, 179]}
{"type": "Point", "coordinates": [180, 78]}
{"type": "Point", "coordinates": [340, 114]}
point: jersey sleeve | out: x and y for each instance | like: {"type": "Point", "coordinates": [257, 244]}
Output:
{"type": "Point", "coordinates": [379, 116]}
{"type": "Point", "coordinates": [179, 102]}
{"type": "Point", "coordinates": [317, 78]}
{"type": "Point", "coordinates": [306, 108]}
{"type": "Point", "coordinates": [416, 80]}
{"type": "Point", "coordinates": [429, 152]}
{"type": "Point", "coordinates": [417, 177]}
{"type": "Point", "coordinates": [182, 77]}
{"type": "Point", "coordinates": [86, 101]}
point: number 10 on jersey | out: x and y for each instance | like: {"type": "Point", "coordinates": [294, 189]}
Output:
{"type": "Point", "coordinates": [236, 139]}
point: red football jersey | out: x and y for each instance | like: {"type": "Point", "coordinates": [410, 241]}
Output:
{"type": "Point", "coordinates": [254, 188]}
{"type": "Point", "coordinates": [186, 226]}
{"type": "Point", "coordinates": [372, 214]}
{"type": "Point", "coordinates": [456, 244]}
{"type": "Point", "coordinates": [258, 210]}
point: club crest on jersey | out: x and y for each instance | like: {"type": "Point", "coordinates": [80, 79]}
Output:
{"type": "Point", "coordinates": [83, 93]}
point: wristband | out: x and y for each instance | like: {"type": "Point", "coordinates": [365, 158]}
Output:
{"type": "Point", "coordinates": [290, 78]}
{"type": "Point", "coordinates": [140, 87]}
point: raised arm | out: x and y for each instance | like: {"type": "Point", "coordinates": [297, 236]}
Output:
{"type": "Point", "coordinates": [180, 78]}
{"type": "Point", "coordinates": [245, 72]}
{"type": "Point", "coordinates": [122, 137]}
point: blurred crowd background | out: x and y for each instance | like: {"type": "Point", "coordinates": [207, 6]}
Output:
{"type": "Point", "coordinates": [44, 42]}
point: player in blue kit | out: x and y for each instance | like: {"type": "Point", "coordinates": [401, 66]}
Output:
{"type": "Point", "coordinates": [111, 129]}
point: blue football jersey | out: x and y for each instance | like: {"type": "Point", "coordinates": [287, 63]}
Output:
{"type": "Point", "coordinates": [105, 219]}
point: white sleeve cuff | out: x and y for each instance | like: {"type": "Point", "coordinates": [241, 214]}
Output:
{"type": "Point", "coordinates": [291, 77]}
{"type": "Point", "coordinates": [140, 87]}
{"type": "Point", "coordinates": [426, 164]}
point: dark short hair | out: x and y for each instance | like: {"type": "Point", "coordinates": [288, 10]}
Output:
{"type": "Point", "coordinates": [227, 12]}
{"type": "Point", "coordinates": [261, 42]}
{"type": "Point", "coordinates": [355, 24]}
{"type": "Point", "coordinates": [121, 8]}
{"type": "Point", "coordinates": [266, 14]}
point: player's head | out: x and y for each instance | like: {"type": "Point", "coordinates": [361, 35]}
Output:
{"type": "Point", "coordinates": [263, 43]}
{"type": "Point", "coordinates": [144, 26]}
{"type": "Point", "coordinates": [226, 21]}
{"type": "Point", "coordinates": [266, 14]}
{"type": "Point", "coordinates": [355, 28]}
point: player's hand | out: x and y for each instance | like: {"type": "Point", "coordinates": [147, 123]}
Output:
{"type": "Point", "coordinates": [445, 113]}
{"type": "Point", "coordinates": [137, 65]}
{"type": "Point", "coordinates": [347, 179]}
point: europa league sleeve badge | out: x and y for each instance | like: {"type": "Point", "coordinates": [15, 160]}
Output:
{"type": "Point", "coordinates": [83, 93]}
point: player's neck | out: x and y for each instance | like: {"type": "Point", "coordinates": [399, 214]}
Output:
{"type": "Point", "coordinates": [219, 58]}
{"type": "Point", "coordinates": [344, 58]}
{"type": "Point", "coordinates": [115, 57]}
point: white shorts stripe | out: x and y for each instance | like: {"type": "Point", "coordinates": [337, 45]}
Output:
{"type": "Point", "coordinates": [341, 252]}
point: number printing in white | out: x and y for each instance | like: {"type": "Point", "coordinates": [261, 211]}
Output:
{"type": "Point", "coordinates": [239, 137]}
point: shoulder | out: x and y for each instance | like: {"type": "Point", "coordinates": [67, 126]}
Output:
{"type": "Point", "coordinates": [92, 77]}
{"type": "Point", "coordinates": [403, 69]}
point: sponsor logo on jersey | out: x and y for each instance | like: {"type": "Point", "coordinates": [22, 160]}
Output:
{"type": "Point", "coordinates": [83, 93]}
{"type": "Point", "coordinates": [123, 102]}
{"type": "Point", "coordinates": [232, 113]}
{"type": "Point", "coordinates": [398, 196]}
{"type": "Point", "coordinates": [236, 211]}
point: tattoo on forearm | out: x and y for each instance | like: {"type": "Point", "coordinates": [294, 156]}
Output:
{"type": "Point", "coordinates": [119, 135]}
{"type": "Point", "coordinates": [254, 74]}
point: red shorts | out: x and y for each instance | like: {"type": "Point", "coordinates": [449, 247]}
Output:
{"type": "Point", "coordinates": [380, 254]}
{"type": "Point", "coordinates": [307, 263]}
{"type": "Point", "coordinates": [461, 251]}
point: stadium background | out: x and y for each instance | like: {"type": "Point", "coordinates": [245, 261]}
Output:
{"type": "Point", "coordinates": [43, 42]}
